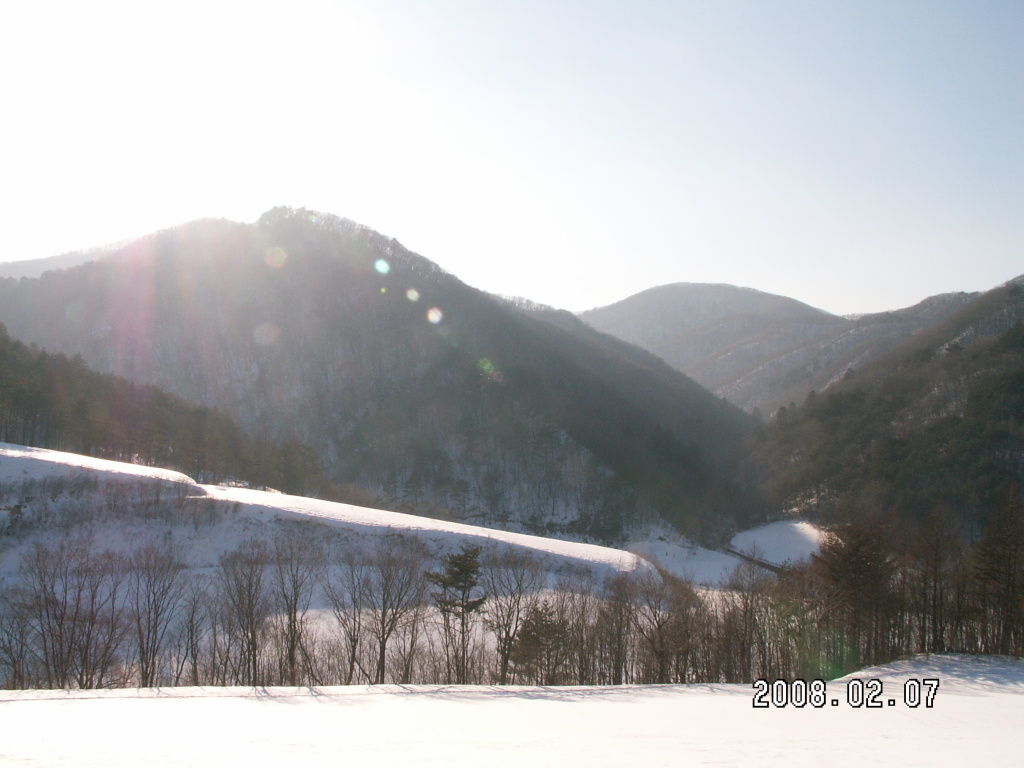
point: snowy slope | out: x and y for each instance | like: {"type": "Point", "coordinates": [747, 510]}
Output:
{"type": "Point", "coordinates": [19, 463]}
{"type": "Point", "coordinates": [239, 513]}
{"type": "Point", "coordinates": [786, 541]}
{"type": "Point", "coordinates": [975, 720]}
{"type": "Point", "coordinates": [777, 542]}
{"type": "Point", "coordinates": [686, 560]}
{"type": "Point", "coordinates": [450, 535]}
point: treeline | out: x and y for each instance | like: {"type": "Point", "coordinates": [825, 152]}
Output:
{"type": "Point", "coordinates": [305, 609]}
{"type": "Point", "coordinates": [56, 402]}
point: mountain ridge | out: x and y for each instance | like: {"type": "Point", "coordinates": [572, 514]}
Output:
{"type": "Point", "coordinates": [759, 350]}
{"type": "Point", "coordinates": [431, 395]}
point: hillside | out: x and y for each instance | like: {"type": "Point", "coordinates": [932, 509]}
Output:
{"type": "Point", "coordinates": [758, 350]}
{"type": "Point", "coordinates": [114, 502]}
{"type": "Point", "coordinates": [51, 401]}
{"type": "Point", "coordinates": [412, 387]}
{"type": "Point", "coordinates": [36, 267]}
{"type": "Point", "coordinates": [936, 424]}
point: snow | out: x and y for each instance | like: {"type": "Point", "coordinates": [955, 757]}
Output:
{"type": "Point", "coordinates": [777, 542]}
{"type": "Point", "coordinates": [974, 721]}
{"type": "Point", "coordinates": [686, 560]}
{"type": "Point", "coordinates": [364, 520]}
{"type": "Point", "coordinates": [19, 463]}
{"type": "Point", "coordinates": [786, 541]}
{"type": "Point", "coordinates": [243, 512]}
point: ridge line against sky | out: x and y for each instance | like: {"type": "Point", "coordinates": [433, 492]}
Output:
{"type": "Point", "coordinates": [858, 157]}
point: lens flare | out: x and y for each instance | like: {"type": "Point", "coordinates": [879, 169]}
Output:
{"type": "Point", "coordinates": [412, 294]}
{"type": "Point", "coordinates": [485, 365]}
{"type": "Point", "coordinates": [382, 266]}
{"type": "Point", "coordinates": [276, 257]}
{"type": "Point", "coordinates": [435, 315]}
{"type": "Point", "coordinates": [266, 334]}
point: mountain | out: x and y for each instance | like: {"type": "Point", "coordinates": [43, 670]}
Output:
{"type": "Point", "coordinates": [758, 350]}
{"type": "Point", "coordinates": [418, 390]}
{"type": "Point", "coordinates": [51, 401]}
{"type": "Point", "coordinates": [37, 267]}
{"type": "Point", "coordinates": [934, 426]}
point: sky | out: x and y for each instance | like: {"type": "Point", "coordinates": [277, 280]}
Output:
{"type": "Point", "coordinates": [858, 156]}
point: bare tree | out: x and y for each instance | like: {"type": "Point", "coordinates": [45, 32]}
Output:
{"type": "Point", "coordinates": [15, 651]}
{"type": "Point", "coordinates": [297, 567]}
{"type": "Point", "coordinates": [156, 587]}
{"type": "Point", "coordinates": [346, 591]}
{"type": "Point", "coordinates": [246, 605]}
{"type": "Point", "coordinates": [395, 589]}
{"type": "Point", "coordinates": [72, 599]}
{"type": "Point", "coordinates": [615, 629]}
{"type": "Point", "coordinates": [193, 629]}
{"type": "Point", "coordinates": [511, 580]}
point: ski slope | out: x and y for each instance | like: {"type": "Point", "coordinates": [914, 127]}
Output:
{"type": "Point", "coordinates": [975, 720]}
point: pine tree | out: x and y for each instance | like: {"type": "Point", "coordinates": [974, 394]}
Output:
{"type": "Point", "coordinates": [457, 598]}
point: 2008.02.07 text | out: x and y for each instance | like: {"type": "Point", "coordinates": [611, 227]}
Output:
{"type": "Point", "coordinates": [866, 693]}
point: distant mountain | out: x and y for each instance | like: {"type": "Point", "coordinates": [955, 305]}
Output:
{"type": "Point", "coordinates": [429, 395]}
{"type": "Point", "coordinates": [759, 350]}
{"type": "Point", "coordinates": [935, 425]}
{"type": "Point", "coordinates": [37, 267]}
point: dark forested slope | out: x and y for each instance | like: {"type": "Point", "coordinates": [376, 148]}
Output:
{"type": "Point", "coordinates": [428, 394]}
{"type": "Point", "coordinates": [51, 401]}
{"type": "Point", "coordinates": [937, 424]}
{"type": "Point", "coordinates": [759, 350]}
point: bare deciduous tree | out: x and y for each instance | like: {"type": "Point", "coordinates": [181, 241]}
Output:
{"type": "Point", "coordinates": [297, 565]}
{"type": "Point", "coordinates": [156, 587]}
{"type": "Point", "coordinates": [246, 608]}
{"type": "Point", "coordinates": [511, 580]}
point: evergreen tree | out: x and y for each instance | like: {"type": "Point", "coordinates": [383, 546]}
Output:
{"type": "Point", "coordinates": [457, 598]}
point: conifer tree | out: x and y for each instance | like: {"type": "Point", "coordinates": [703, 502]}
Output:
{"type": "Point", "coordinates": [457, 598]}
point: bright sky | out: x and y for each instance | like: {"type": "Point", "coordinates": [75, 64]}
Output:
{"type": "Point", "coordinates": [858, 156]}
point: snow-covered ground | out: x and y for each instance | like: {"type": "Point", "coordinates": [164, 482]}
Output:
{"type": "Point", "coordinates": [786, 541]}
{"type": "Point", "coordinates": [244, 511]}
{"type": "Point", "coordinates": [681, 558]}
{"type": "Point", "coordinates": [975, 720]}
{"type": "Point", "coordinates": [20, 463]}
{"type": "Point", "coordinates": [448, 535]}
{"type": "Point", "coordinates": [238, 513]}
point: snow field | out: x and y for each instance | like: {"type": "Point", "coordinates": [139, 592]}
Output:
{"type": "Point", "coordinates": [974, 721]}
{"type": "Point", "coordinates": [779, 543]}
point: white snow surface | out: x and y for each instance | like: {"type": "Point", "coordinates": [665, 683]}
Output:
{"type": "Point", "coordinates": [787, 541]}
{"type": "Point", "coordinates": [245, 512]}
{"type": "Point", "coordinates": [779, 543]}
{"type": "Point", "coordinates": [975, 720]}
{"type": "Point", "coordinates": [364, 520]}
{"type": "Point", "coordinates": [18, 462]}
{"type": "Point", "coordinates": [673, 553]}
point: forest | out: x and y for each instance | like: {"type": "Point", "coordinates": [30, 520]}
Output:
{"type": "Point", "coordinates": [56, 402]}
{"type": "Point", "coordinates": [306, 608]}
